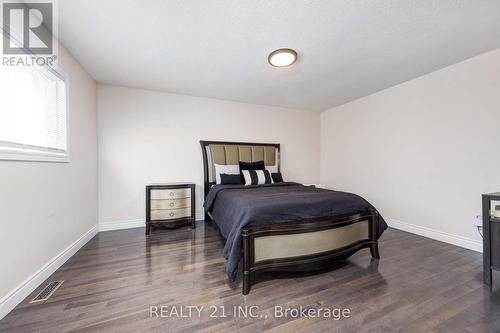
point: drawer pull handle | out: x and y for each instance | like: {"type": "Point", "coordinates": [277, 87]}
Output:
{"type": "Point", "coordinates": [171, 194]}
{"type": "Point", "coordinates": [172, 214]}
{"type": "Point", "coordinates": [171, 204]}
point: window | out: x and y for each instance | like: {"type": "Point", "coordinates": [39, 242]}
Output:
{"type": "Point", "coordinates": [33, 114]}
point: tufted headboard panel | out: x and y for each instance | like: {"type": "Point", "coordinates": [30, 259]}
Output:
{"type": "Point", "coordinates": [219, 152]}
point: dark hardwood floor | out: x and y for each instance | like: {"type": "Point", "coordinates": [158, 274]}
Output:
{"type": "Point", "coordinates": [419, 285]}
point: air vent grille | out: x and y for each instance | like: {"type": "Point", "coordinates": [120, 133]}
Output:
{"type": "Point", "coordinates": [47, 291]}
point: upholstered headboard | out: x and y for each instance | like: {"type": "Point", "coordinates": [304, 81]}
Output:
{"type": "Point", "coordinates": [219, 152]}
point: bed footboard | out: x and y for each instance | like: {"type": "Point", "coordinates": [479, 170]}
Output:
{"type": "Point", "coordinates": [306, 245]}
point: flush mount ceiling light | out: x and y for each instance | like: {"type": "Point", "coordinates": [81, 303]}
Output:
{"type": "Point", "coordinates": [282, 57]}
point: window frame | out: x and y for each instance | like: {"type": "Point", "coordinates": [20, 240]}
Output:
{"type": "Point", "coordinates": [21, 152]}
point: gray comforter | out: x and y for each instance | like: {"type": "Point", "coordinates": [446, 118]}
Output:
{"type": "Point", "coordinates": [235, 206]}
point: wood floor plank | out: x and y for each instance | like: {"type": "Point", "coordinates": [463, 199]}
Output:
{"type": "Point", "coordinates": [419, 285]}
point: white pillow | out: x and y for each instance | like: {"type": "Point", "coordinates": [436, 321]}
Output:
{"type": "Point", "coordinates": [272, 168]}
{"type": "Point", "coordinates": [227, 169]}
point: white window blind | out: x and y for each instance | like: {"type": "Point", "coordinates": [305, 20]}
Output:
{"type": "Point", "coordinates": [33, 114]}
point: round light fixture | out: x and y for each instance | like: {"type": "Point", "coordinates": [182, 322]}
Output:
{"type": "Point", "coordinates": [282, 57]}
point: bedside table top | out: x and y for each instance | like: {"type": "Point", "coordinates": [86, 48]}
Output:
{"type": "Point", "coordinates": [494, 196]}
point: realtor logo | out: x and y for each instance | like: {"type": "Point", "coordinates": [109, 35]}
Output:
{"type": "Point", "coordinates": [29, 32]}
{"type": "Point", "coordinates": [28, 27]}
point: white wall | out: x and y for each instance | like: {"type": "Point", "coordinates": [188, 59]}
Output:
{"type": "Point", "coordinates": [424, 151]}
{"type": "Point", "coordinates": [147, 136]}
{"type": "Point", "coordinates": [45, 207]}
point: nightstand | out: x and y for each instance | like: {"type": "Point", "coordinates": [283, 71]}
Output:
{"type": "Point", "coordinates": [170, 205]}
{"type": "Point", "coordinates": [491, 238]}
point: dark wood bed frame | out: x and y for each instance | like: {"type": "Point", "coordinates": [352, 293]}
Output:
{"type": "Point", "coordinates": [306, 263]}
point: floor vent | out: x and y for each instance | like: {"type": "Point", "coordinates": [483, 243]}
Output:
{"type": "Point", "coordinates": [47, 291]}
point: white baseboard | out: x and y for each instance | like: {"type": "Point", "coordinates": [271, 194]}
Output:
{"type": "Point", "coordinates": [119, 225]}
{"type": "Point", "coordinates": [18, 294]}
{"type": "Point", "coordinates": [465, 242]}
{"type": "Point", "coordinates": [129, 224]}
{"type": "Point", "coordinates": [199, 216]}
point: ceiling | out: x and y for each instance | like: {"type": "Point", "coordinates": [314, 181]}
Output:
{"type": "Point", "coordinates": [218, 48]}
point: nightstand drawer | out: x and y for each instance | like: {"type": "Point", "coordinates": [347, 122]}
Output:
{"type": "Point", "coordinates": [176, 193]}
{"type": "Point", "coordinates": [170, 203]}
{"type": "Point", "coordinates": [170, 214]}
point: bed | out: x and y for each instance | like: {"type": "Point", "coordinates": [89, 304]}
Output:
{"type": "Point", "coordinates": [283, 226]}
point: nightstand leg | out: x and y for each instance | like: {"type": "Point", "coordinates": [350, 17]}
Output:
{"type": "Point", "coordinates": [487, 276]}
{"type": "Point", "coordinates": [193, 224]}
{"type": "Point", "coordinates": [374, 251]}
{"type": "Point", "coordinates": [148, 229]}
